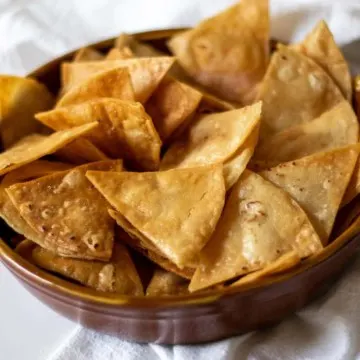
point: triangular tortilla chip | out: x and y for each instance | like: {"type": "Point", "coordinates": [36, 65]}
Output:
{"type": "Point", "coordinates": [119, 54]}
{"type": "Point", "coordinates": [164, 283]}
{"type": "Point", "coordinates": [80, 151]}
{"type": "Point", "coordinates": [317, 182]}
{"type": "Point", "coordinates": [145, 73]}
{"type": "Point", "coordinates": [137, 241]}
{"type": "Point", "coordinates": [295, 90]}
{"type": "Point", "coordinates": [208, 104]}
{"type": "Point", "coordinates": [229, 52]}
{"type": "Point", "coordinates": [119, 275]}
{"type": "Point", "coordinates": [176, 210]}
{"type": "Point", "coordinates": [320, 46]}
{"type": "Point", "coordinates": [125, 130]}
{"type": "Point", "coordinates": [260, 223]}
{"type": "Point", "coordinates": [139, 49]}
{"type": "Point", "coordinates": [8, 211]}
{"type": "Point", "coordinates": [335, 128]}
{"type": "Point", "coordinates": [88, 54]}
{"type": "Point", "coordinates": [68, 212]}
{"type": "Point", "coordinates": [172, 104]}
{"type": "Point", "coordinates": [282, 264]}
{"type": "Point", "coordinates": [236, 165]}
{"type": "Point", "coordinates": [35, 146]}
{"type": "Point", "coordinates": [20, 99]}
{"type": "Point", "coordinates": [212, 138]}
{"type": "Point", "coordinates": [113, 83]}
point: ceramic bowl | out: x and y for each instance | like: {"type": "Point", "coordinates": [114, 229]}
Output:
{"type": "Point", "coordinates": [183, 319]}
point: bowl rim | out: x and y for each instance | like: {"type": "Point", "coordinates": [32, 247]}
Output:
{"type": "Point", "coordinates": [49, 283]}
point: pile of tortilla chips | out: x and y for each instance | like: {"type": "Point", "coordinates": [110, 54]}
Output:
{"type": "Point", "coordinates": [223, 164]}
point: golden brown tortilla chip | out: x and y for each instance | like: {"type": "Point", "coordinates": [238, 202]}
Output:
{"type": "Point", "coordinates": [68, 212]}
{"type": "Point", "coordinates": [320, 46]}
{"type": "Point", "coordinates": [176, 210]}
{"type": "Point", "coordinates": [119, 54]}
{"type": "Point", "coordinates": [87, 54]}
{"type": "Point", "coordinates": [145, 73]}
{"type": "Point", "coordinates": [282, 264]}
{"type": "Point", "coordinates": [124, 131]}
{"type": "Point", "coordinates": [20, 99]}
{"type": "Point", "coordinates": [212, 138]}
{"type": "Point", "coordinates": [119, 275]}
{"type": "Point", "coordinates": [334, 128]}
{"type": "Point", "coordinates": [8, 211]}
{"type": "Point", "coordinates": [137, 241]}
{"type": "Point", "coordinates": [260, 223]}
{"type": "Point", "coordinates": [171, 105]}
{"type": "Point", "coordinates": [35, 146]}
{"type": "Point", "coordinates": [139, 49]}
{"type": "Point", "coordinates": [113, 83]}
{"type": "Point", "coordinates": [236, 165]}
{"type": "Point", "coordinates": [80, 151]}
{"type": "Point", "coordinates": [165, 283]}
{"type": "Point", "coordinates": [295, 90]}
{"type": "Point", "coordinates": [229, 52]}
{"type": "Point", "coordinates": [317, 182]}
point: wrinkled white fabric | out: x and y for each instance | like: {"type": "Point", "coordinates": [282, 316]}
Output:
{"type": "Point", "coordinates": [33, 32]}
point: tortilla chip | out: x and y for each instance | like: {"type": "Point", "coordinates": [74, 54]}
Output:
{"type": "Point", "coordinates": [335, 128]}
{"type": "Point", "coordinates": [68, 212]}
{"type": "Point", "coordinates": [119, 275]}
{"type": "Point", "coordinates": [295, 90]}
{"type": "Point", "coordinates": [282, 264]}
{"type": "Point", "coordinates": [176, 210]}
{"type": "Point", "coordinates": [212, 138]}
{"type": "Point", "coordinates": [229, 52]}
{"type": "Point", "coordinates": [137, 241]}
{"type": "Point", "coordinates": [125, 130]}
{"type": "Point", "coordinates": [35, 146]}
{"type": "Point", "coordinates": [260, 223]}
{"type": "Point", "coordinates": [165, 283]}
{"type": "Point", "coordinates": [113, 83]}
{"type": "Point", "coordinates": [80, 151]}
{"type": "Point", "coordinates": [145, 73]}
{"type": "Point", "coordinates": [320, 46]}
{"type": "Point", "coordinates": [20, 99]}
{"type": "Point", "coordinates": [235, 166]}
{"type": "Point", "coordinates": [171, 105]}
{"type": "Point", "coordinates": [8, 211]}
{"type": "Point", "coordinates": [119, 54]}
{"type": "Point", "coordinates": [317, 182]}
{"type": "Point", "coordinates": [138, 48]}
{"type": "Point", "coordinates": [88, 54]}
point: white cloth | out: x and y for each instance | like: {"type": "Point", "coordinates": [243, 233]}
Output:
{"type": "Point", "coordinates": [33, 32]}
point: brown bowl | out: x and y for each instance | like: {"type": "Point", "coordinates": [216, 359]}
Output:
{"type": "Point", "coordinates": [183, 319]}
